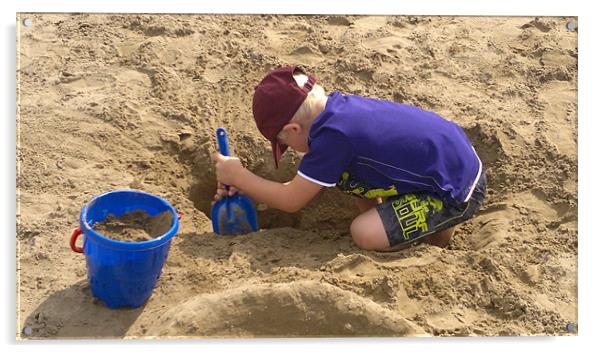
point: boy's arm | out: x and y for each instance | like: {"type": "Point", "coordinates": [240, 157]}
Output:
{"type": "Point", "coordinates": [288, 197]}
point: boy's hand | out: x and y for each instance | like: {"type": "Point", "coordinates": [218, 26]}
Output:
{"type": "Point", "coordinates": [227, 170]}
{"type": "Point", "coordinates": [221, 191]}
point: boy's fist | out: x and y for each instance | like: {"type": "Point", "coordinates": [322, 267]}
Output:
{"type": "Point", "coordinates": [227, 169]}
{"type": "Point", "coordinates": [221, 191]}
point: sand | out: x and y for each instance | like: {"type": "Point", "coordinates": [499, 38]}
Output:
{"type": "Point", "coordinates": [111, 101]}
{"type": "Point", "coordinates": [135, 226]}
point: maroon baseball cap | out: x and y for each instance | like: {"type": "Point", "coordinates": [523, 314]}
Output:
{"type": "Point", "coordinates": [277, 97]}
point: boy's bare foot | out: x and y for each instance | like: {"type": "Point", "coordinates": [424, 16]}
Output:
{"type": "Point", "coordinates": [440, 239]}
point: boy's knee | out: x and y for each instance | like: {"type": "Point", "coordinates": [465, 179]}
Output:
{"type": "Point", "coordinates": [364, 235]}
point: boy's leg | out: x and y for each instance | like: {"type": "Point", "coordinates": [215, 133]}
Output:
{"type": "Point", "coordinates": [366, 204]}
{"type": "Point", "coordinates": [403, 220]}
{"type": "Point", "coordinates": [368, 233]}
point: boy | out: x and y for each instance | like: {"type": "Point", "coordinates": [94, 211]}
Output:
{"type": "Point", "coordinates": [423, 166]}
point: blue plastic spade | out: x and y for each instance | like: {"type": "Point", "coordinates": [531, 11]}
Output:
{"type": "Point", "coordinates": [232, 214]}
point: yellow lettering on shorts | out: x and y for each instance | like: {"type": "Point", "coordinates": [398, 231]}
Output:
{"type": "Point", "coordinates": [436, 204]}
{"type": "Point", "coordinates": [374, 193]}
{"type": "Point", "coordinates": [351, 188]}
{"type": "Point", "coordinates": [411, 214]}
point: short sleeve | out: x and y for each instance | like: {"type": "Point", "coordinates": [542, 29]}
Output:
{"type": "Point", "coordinates": [330, 154]}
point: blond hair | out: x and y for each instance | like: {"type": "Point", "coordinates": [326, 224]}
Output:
{"type": "Point", "coordinates": [310, 105]}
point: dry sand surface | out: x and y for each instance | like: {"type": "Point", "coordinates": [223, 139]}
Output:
{"type": "Point", "coordinates": [132, 101]}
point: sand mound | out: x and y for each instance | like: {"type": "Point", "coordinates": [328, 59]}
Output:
{"type": "Point", "coordinates": [302, 308]}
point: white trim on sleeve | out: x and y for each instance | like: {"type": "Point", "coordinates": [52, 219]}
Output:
{"type": "Point", "coordinates": [316, 181]}
{"type": "Point", "coordinates": [474, 184]}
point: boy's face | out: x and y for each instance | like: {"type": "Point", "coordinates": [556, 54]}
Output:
{"type": "Point", "coordinates": [295, 136]}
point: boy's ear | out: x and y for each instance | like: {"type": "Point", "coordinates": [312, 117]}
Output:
{"type": "Point", "coordinates": [292, 127]}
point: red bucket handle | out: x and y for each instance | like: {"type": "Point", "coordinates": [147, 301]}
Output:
{"type": "Point", "coordinates": [76, 233]}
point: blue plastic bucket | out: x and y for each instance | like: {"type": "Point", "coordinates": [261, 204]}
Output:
{"type": "Point", "coordinates": [123, 274]}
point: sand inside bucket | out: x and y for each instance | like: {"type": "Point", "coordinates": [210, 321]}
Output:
{"type": "Point", "coordinates": [135, 226]}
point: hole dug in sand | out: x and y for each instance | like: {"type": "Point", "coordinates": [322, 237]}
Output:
{"type": "Point", "coordinates": [202, 193]}
{"type": "Point", "coordinates": [196, 153]}
{"type": "Point", "coordinates": [257, 157]}
{"type": "Point", "coordinates": [204, 187]}
{"type": "Point", "coordinates": [304, 308]}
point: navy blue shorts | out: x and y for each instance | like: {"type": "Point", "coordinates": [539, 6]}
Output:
{"type": "Point", "coordinates": [409, 218]}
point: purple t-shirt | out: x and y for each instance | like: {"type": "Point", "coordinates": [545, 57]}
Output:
{"type": "Point", "coordinates": [374, 148]}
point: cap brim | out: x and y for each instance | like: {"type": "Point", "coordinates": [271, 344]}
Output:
{"type": "Point", "coordinates": [278, 150]}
